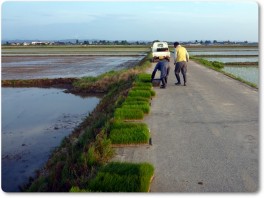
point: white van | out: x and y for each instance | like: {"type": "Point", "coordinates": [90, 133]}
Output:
{"type": "Point", "coordinates": [160, 49]}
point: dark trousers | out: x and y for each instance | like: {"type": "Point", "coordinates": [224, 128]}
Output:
{"type": "Point", "coordinates": [164, 81]}
{"type": "Point", "coordinates": [181, 67]}
{"type": "Point", "coordinates": [168, 71]}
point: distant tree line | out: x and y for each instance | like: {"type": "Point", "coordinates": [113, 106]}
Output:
{"type": "Point", "coordinates": [123, 42]}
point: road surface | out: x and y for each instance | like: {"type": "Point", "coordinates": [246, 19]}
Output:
{"type": "Point", "coordinates": [205, 136]}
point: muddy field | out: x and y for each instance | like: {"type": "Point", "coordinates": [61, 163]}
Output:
{"type": "Point", "coordinates": [31, 67]}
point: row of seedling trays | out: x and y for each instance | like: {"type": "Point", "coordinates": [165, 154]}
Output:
{"type": "Point", "coordinates": [125, 130]}
{"type": "Point", "coordinates": [124, 176]}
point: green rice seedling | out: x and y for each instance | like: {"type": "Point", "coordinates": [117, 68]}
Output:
{"type": "Point", "coordinates": [143, 84]}
{"type": "Point", "coordinates": [128, 114]}
{"type": "Point", "coordinates": [136, 98]}
{"type": "Point", "coordinates": [144, 107]}
{"type": "Point", "coordinates": [121, 125]}
{"type": "Point", "coordinates": [143, 77]}
{"type": "Point", "coordinates": [135, 102]}
{"type": "Point", "coordinates": [77, 189]}
{"type": "Point", "coordinates": [152, 92]}
{"type": "Point", "coordinates": [129, 136]}
{"type": "Point", "coordinates": [127, 133]}
{"type": "Point", "coordinates": [140, 93]}
{"type": "Point", "coordinates": [141, 88]}
{"type": "Point", "coordinates": [123, 177]}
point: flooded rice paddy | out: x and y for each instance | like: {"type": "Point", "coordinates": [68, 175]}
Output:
{"type": "Point", "coordinates": [30, 67]}
{"type": "Point", "coordinates": [248, 72]}
{"type": "Point", "coordinates": [233, 59]}
{"type": "Point", "coordinates": [34, 122]}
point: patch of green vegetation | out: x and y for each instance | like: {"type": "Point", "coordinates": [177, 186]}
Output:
{"type": "Point", "coordinates": [140, 93]}
{"type": "Point", "coordinates": [137, 98]}
{"type": "Point", "coordinates": [144, 107]}
{"type": "Point", "coordinates": [123, 177]}
{"type": "Point", "coordinates": [143, 84]}
{"type": "Point", "coordinates": [129, 133]}
{"type": "Point", "coordinates": [77, 189]}
{"type": "Point", "coordinates": [128, 114]}
{"type": "Point", "coordinates": [144, 77]}
{"type": "Point", "coordinates": [135, 102]}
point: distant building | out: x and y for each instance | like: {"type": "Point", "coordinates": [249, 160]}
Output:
{"type": "Point", "coordinates": [38, 43]}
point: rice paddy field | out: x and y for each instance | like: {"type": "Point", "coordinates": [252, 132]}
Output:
{"type": "Point", "coordinates": [242, 62]}
{"type": "Point", "coordinates": [67, 61]}
{"type": "Point", "coordinates": [35, 120]}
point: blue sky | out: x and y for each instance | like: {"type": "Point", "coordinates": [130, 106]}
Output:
{"type": "Point", "coordinates": [171, 20]}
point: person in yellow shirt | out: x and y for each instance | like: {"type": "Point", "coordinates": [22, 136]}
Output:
{"type": "Point", "coordinates": [181, 57]}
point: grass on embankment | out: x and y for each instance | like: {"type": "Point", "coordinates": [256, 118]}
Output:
{"type": "Point", "coordinates": [218, 66]}
{"type": "Point", "coordinates": [123, 177]}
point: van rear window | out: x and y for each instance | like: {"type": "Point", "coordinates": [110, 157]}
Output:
{"type": "Point", "coordinates": [162, 49]}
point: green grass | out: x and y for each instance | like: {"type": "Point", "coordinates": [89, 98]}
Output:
{"type": "Point", "coordinates": [123, 177]}
{"type": "Point", "coordinates": [129, 133]}
{"type": "Point", "coordinates": [128, 114]}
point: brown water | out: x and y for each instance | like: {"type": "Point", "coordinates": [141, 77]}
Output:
{"type": "Point", "coordinates": [34, 122]}
{"type": "Point", "coordinates": [30, 67]}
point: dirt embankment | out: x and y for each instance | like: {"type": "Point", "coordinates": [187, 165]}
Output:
{"type": "Point", "coordinates": [43, 83]}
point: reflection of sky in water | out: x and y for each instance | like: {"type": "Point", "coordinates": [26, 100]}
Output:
{"type": "Point", "coordinates": [250, 74]}
{"type": "Point", "coordinates": [232, 60]}
{"type": "Point", "coordinates": [34, 121]}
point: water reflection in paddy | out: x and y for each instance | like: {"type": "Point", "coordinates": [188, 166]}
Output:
{"type": "Point", "coordinates": [233, 59]}
{"type": "Point", "coordinates": [34, 121]}
{"type": "Point", "coordinates": [250, 74]}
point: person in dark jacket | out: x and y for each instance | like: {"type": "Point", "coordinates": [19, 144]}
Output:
{"type": "Point", "coordinates": [164, 68]}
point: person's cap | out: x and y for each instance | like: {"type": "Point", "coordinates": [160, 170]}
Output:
{"type": "Point", "coordinates": [161, 57]}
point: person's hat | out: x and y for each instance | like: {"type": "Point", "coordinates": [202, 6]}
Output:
{"type": "Point", "coordinates": [161, 57]}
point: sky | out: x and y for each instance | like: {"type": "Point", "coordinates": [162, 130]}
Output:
{"type": "Point", "coordinates": [134, 20]}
